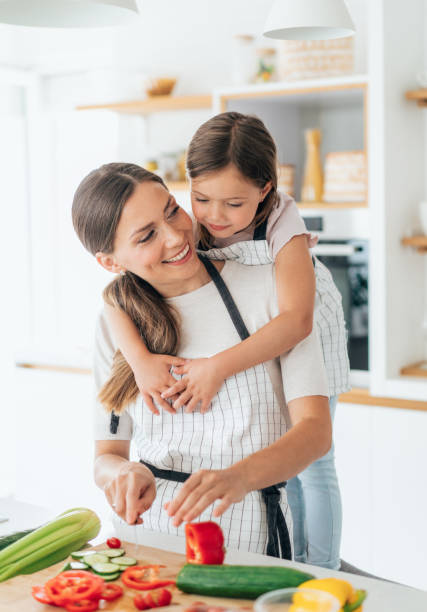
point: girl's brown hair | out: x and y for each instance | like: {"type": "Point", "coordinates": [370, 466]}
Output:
{"type": "Point", "coordinates": [97, 206]}
{"type": "Point", "coordinates": [241, 140]}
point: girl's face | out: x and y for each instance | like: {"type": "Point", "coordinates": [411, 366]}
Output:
{"type": "Point", "coordinates": [154, 239]}
{"type": "Point", "coordinates": [225, 201]}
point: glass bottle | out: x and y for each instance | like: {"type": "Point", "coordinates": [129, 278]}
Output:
{"type": "Point", "coordinates": [312, 186]}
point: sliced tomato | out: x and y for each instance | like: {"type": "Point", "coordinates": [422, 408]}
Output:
{"type": "Point", "coordinates": [111, 591]}
{"type": "Point", "coordinates": [144, 577]}
{"type": "Point", "coordinates": [72, 586]}
{"type": "Point", "coordinates": [39, 594]}
{"type": "Point", "coordinates": [113, 543]}
{"type": "Point", "coordinates": [84, 605]}
{"type": "Point", "coordinates": [153, 599]}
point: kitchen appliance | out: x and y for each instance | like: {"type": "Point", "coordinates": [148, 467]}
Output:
{"type": "Point", "coordinates": [348, 262]}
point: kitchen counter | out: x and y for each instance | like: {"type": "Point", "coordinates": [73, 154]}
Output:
{"type": "Point", "coordinates": [382, 596]}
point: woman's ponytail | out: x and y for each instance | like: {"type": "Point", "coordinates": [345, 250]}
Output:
{"type": "Point", "coordinates": [157, 323]}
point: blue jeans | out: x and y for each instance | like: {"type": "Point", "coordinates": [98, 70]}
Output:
{"type": "Point", "coordinates": [315, 501]}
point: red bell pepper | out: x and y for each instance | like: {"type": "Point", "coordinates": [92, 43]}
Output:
{"type": "Point", "coordinates": [84, 605]}
{"type": "Point", "coordinates": [73, 586]}
{"type": "Point", "coordinates": [204, 543]}
{"type": "Point", "coordinates": [40, 595]}
{"type": "Point", "coordinates": [153, 599]}
{"type": "Point", "coordinates": [144, 577]}
{"type": "Point", "coordinates": [111, 591]}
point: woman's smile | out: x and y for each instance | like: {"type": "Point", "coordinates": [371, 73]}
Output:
{"type": "Point", "coordinates": [182, 256]}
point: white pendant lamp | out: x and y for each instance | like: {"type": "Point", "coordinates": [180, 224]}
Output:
{"type": "Point", "coordinates": [308, 20]}
{"type": "Point", "coordinates": [68, 13]}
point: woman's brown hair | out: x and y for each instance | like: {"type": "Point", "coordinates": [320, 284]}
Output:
{"type": "Point", "coordinates": [241, 140]}
{"type": "Point", "coordinates": [97, 206]}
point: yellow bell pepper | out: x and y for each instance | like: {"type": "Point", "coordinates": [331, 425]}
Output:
{"type": "Point", "coordinates": [341, 589]}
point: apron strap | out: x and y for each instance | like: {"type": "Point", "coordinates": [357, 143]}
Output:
{"type": "Point", "coordinates": [278, 543]}
{"type": "Point", "coordinates": [261, 231]}
{"type": "Point", "coordinates": [227, 298]}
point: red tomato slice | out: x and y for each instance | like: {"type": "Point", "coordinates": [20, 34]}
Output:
{"type": "Point", "coordinates": [110, 592]}
{"type": "Point", "coordinates": [113, 543]}
{"type": "Point", "coordinates": [72, 586]}
{"type": "Point", "coordinates": [84, 605]}
{"type": "Point", "coordinates": [40, 595]}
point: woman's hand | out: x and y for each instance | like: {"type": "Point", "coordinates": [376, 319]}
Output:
{"type": "Point", "coordinates": [131, 492]}
{"type": "Point", "coordinates": [202, 489]}
{"type": "Point", "coordinates": [153, 376]}
{"type": "Point", "coordinates": [202, 379]}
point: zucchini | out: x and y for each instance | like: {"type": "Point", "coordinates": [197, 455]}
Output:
{"type": "Point", "coordinates": [105, 568]}
{"type": "Point", "coordinates": [80, 555]}
{"type": "Point", "coordinates": [109, 577]}
{"type": "Point", "coordinates": [241, 581]}
{"type": "Point", "coordinates": [112, 552]}
{"type": "Point", "coordinates": [126, 561]}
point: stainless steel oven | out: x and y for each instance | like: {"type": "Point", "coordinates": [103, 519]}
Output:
{"type": "Point", "coordinates": [347, 260]}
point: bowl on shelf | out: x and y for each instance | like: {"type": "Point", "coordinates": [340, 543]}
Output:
{"type": "Point", "coordinates": [297, 600]}
{"type": "Point", "coordinates": [160, 86]}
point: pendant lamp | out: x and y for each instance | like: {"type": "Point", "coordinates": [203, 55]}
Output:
{"type": "Point", "coordinates": [68, 13]}
{"type": "Point", "coordinates": [308, 20]}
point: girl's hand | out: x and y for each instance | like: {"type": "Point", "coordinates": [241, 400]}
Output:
{"type": "Point", "coordinates": [201, 381]}
{"type": "Point", "coordinates": [131, 492]}
{"type": "Point", "coordinates": [202, 489]}
{"type": "Point", "coordinates": [153, 376]}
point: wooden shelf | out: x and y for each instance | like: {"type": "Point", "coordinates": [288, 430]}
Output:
{"type": "Point", "coordinates": [363, 397]}
{"type": "Point", "coordinates": [420, 95]}
{"type": "Point", "coordinates": [155, 104]}
{"type": "Point", "coordinates": [415, 369]}
{"type": "Point", "coordinates": [326, 205]}
{"type": "Point", "coordinates": [418, 242]}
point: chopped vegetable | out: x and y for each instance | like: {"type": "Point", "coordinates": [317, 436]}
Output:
{"type": "Point", "coordinates": [153, 599]}
{"type": "Point", "coordinates": [85, 605]}
{"type": "Point", "coordinates": [204, 543]}
{"type": "Point", "coordinates": [144, 577]}
{"type": "Point", "coordinates": [349, 598]}
{"type": "Point", "coordinates": [113, 543]}
{"type": "Point", "coordinates": [126, 561]}
{"type": "Point", "coordinates": [49, 544]}
{"type": "Point", "coordinates": [110, 592]}
{"type": "Point", "coordinates": [112, 552]}
{"type": "Point", "coordinates": [39, 594]}
{"type": "Point", "coordinates": [74, 586]}
{"type": "Point", "coordinates": [241, 581]}
{"type": "Point", "coordinates": [13, 537]}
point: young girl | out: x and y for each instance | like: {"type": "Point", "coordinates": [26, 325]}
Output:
{"type": "Point", "coordinates": [232, 165]}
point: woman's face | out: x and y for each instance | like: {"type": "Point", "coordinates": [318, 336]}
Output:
{"type": "Point", "coordinates": [225, 201]}
{"type": "Point", "coordinates": [154, 239]}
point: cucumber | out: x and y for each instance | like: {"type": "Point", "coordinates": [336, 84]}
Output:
{"type": "Point", "coordinates": [105, 568]}
{"type": "Point", "coordinates": [125, 561]}
{"type": "Point", "coordinates": [241, 581]}
{"type": "Point", "coordinates": [112, 552]}
{"type": "Point", "coordinates": [78, 565]}
{"type": "Point", "coordinates": [109, 577]}
{"type": "Point", "coordinates": [82, 554]}
{"type": "Point", "coordinates": [96, 558]}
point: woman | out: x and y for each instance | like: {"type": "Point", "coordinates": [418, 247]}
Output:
{"type": "Point", "coordinates": [241, 449]}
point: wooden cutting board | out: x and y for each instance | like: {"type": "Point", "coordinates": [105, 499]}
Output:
{"type": "Point", "coordinates": [15, 594]}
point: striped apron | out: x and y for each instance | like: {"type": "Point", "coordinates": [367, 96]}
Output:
{"type": "Point", "coordinates": [245, 416]}
{"type": "Point", "coordinates": [328, 311]}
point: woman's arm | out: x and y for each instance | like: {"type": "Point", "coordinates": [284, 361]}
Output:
{"type": "Point", "coordinates": [296, 286]}
{"type": "Point", "coordinates": [128, 486]}
{"type": "Point", "coordinates": [151, 371]}
{"type": "Point", "coordinates": [308, 439]}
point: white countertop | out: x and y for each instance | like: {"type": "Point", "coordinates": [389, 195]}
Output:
{"type": "Point", "coordinates": [382, 596]}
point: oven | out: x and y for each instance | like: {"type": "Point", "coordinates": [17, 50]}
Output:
{"type": "Point", "coordinates": [348, 260]}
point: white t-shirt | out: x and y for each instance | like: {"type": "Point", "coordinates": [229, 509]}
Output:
{"type": "Point", "coordinates": [206, 329]}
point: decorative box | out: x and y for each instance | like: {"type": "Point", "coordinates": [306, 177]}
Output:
{"type": "Point", "coordinates": [345, 177]}
{"type": "Point", "coordinates": [310, 59]}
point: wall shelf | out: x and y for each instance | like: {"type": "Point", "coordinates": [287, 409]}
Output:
{"type": "Point", "coordinates": [154, 104]}
{"type": "Point", "coordinates": [415, 369]}
{"type": "Point", "coordinates": [418, 242]}
{"type": "Point", "coordinates": [420, 95]}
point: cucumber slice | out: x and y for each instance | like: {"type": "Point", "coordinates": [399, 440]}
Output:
{"type": "Point", "coordinates": [78, 565]}
{"type": "Point", "coordinates": [126, 561]}
{"type": "Point", "coordinates": [81, 554]}
{"type": "Point", "coordinates": [112, 552]}
{"type": "Point", "coordinates": [109, 577]}
{"type": "Point", "coordinates": [96, 558]}
{"type": "Point", "coordinates": [105, 568]}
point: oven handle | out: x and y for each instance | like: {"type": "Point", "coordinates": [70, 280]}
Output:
{"type": "Point", "coordinates": [343, 250]}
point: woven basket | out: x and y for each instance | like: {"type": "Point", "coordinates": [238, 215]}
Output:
{"type": "Point", "coordinates": [345, 177]}
{"type": "Point", "coordinates": [309, 59]}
